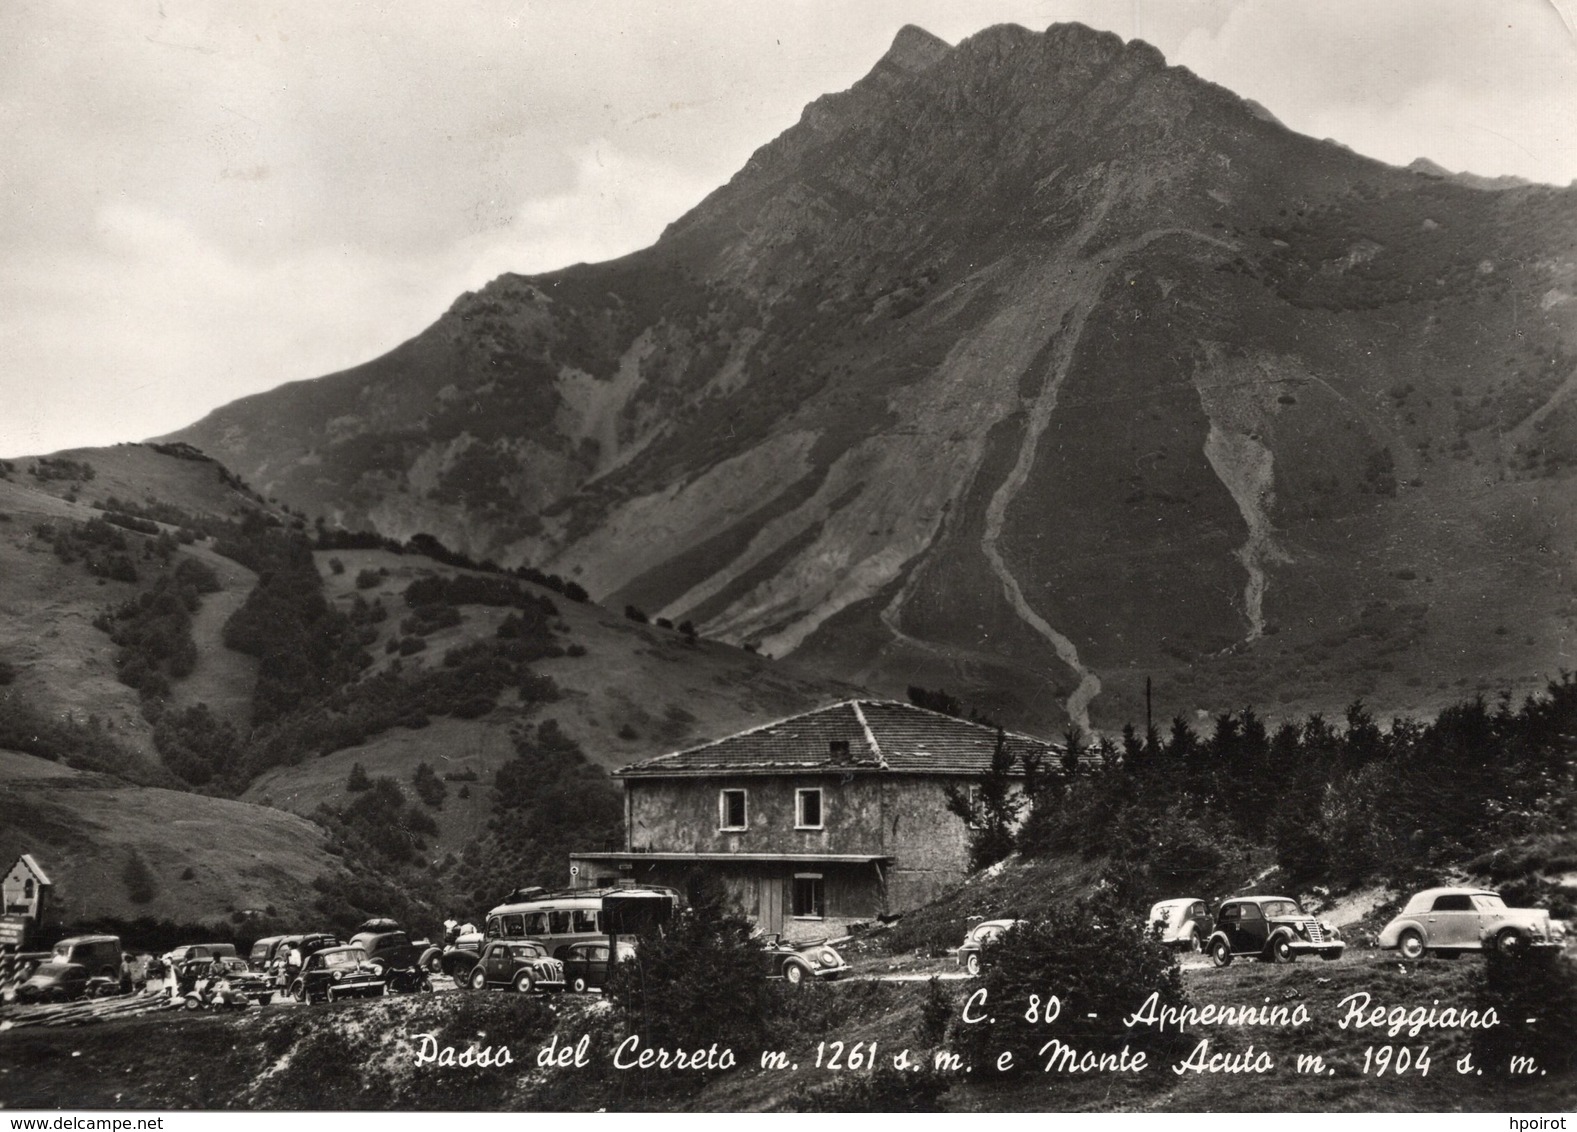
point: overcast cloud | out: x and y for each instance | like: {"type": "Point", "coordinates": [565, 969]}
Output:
{"type": "Point", "coordinates": [201, 200]}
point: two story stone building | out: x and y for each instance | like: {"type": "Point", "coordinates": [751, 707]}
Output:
{"type": "Point", "coordinates": [813, 822]}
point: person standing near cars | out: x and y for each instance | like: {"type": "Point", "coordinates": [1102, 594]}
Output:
{"type": "Point", "coordinates": [172, 978]}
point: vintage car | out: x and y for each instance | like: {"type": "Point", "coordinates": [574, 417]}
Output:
{"type": "Point", "coordinates": [457, 959]}
{"type": "Point", "coordinates": [199, 951]}
{"type": "Point", "coordinates": [796, 962]}
{"type": "Point", "coordinates": [336, 972]}
{"type": "Point", "coordinates": [54, 982]}
{"type": "Point", "coordinates": [971, 953]}
{"type": "Point", "coordinates": [520, 963]}
{"type": "Point", "coordinates": [1184, 923]}
{"type": "Point", "coordinates": [255, 986]}
{"type": "Point", "coordinates": [386, 949]}
{"type": "Point", "coordinates": [1271, 928]}
{"type": "Point", "coordinates": [1449, 921]}
{"type": "Point", "coordinates": [586, 964]}
{"type": "Point", "coordinates": [262, 953]}
{"type": "Point", "coordinates": [294, 950]}
{"type": "Point", "coordinates": [101, 955]}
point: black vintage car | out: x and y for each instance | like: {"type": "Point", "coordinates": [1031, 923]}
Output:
{"type": "Point", "coordinates": [457, 959]}
{"type": "Point", "coordinates": [292, 951]}
{"type": "Point", "coordinates": [54, 982]}
{"type": "Point", "coordinates": [1274, 929]}
{"type": "Point", "coordinates": [586, 964]}
{"type": "Point", "coordinates": [388, 949]}
{"type": "Point", "coordinates": [520, 963]}
{"type": "Point", "coordinates": [262, 953]}
{"type": "Point", "coordinates": [337, 972]}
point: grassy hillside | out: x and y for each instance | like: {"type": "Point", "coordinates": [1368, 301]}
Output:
{"type": "Point", "coordinates": [202, 860]}
{"type": "Point", "coordinates": [114, 664]}
{"type": "Point", "coordinates": [628, 692]}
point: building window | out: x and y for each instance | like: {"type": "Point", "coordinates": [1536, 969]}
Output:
{"type": "Point", "coordinates": [809, 897]}
{"type": "Point", "coordinates": [807, 809]}
{"type": "Point", "coordinates": [731, 809]}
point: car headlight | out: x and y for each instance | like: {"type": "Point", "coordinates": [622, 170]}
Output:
{"type": "Point", "coordinates": [338, 975]}
{"type": "Point", "coordinates": [829, 958]}
{"type": "Point", "coordinates": [1331, 930]}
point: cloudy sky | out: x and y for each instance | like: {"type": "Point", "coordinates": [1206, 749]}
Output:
{"type": "Point", "coordinates": [201, 199]}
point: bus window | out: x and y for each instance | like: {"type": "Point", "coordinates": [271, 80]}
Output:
{"type": "Point", "coordinates": [536, 923]}
{"type": "Point", "coordinates": [514, 927]}
{"type": "Point", "coordinates": [494, 928]}
{"type": "Point", "coordinates": [559, 922]}
{"type": "Point", "coordinates": [585, 920]}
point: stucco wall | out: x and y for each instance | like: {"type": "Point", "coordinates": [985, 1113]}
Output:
{"type": "Point", "coordinates": [901, 817]}
{"type": "Point", "coordinates": [682, 816]}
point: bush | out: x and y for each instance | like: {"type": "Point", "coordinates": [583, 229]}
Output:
{"type": "Point", "coordinates": [429, 787]}
{"type": "Point", "coordinates": [141, 885]}
{"type": "Point", "coordinates": [882, 1089]}
{"type": "Point", "coordinates": [357, 780]}
{"type": "Point", "coordinates": [697, 982]}
{"type": "Point", "coordinates": [196, 744]}
{"type": "Point", "coordinates": [936, 1011]}
{"type": "Point", "coordinates": [367, 579]}
{"type": "Point", "coordinates": [1097, 957]}
{"type": "Point", "coordinates": [1535, 997]}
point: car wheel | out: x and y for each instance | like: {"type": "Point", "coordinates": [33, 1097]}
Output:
{"type": "Point", "coordinates": [972, 963]}
{"type": "Point", "coordinates": [1221, 953]}
{"type": "Point", "coordinates": [1411, 945]}
{"type": "Point", "coordinates": [524, 983]}
{"type": "Point", "coordinates": [299, 993]}
{"type": "Point", "coordinates": [331, 994]}
{"type": "Point", "coordinates": [425, 986]}
{"type": "Point", "coordinates": [434, 963]}
{"type": "Point", "coordinates": [1195, 944]}
{"type": "Point", "coordinates": [794, 974]}
{"type": "Point", "coordinates": [579, 985]}
{"type": "Point", "coordinates": [1511, 942]}
{"type": "Point", "coordinates": [1281, 950]}
{"type": "Point", "coordinates": [478, 980]}
{"type": "Point", "coordinates": [193, 1004]}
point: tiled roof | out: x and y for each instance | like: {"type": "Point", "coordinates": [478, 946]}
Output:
{"type": "Point", "coordinates": [881, 735]}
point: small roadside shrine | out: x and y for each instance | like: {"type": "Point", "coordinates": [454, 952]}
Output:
{"type": "Point", "coordinates": [24, 899]}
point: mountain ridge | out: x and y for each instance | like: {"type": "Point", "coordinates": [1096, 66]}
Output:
{"type": "Point", "coordinates": [868, 402]}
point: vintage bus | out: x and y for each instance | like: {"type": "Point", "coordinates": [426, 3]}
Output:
{"type": "Point", "coordinates": [558, 919]}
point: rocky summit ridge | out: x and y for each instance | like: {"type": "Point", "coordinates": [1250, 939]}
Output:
{"type": "Point", "coordinates": [1027, 367]}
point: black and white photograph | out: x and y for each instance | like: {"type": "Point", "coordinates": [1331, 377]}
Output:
{"type": "Point", "coordinates": [994, 556]}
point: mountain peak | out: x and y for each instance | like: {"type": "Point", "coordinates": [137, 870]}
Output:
{"type": "Point", "coordinates": [914, 49]}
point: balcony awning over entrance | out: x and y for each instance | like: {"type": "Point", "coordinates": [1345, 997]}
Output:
{"type": "Point", "coordinates": [720, 858]}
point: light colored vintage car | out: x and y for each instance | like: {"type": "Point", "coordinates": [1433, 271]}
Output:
{"type": "Point", "coordinates": [1449, 921]}
{"type": "Point", "coordinates": [1184, 922]}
